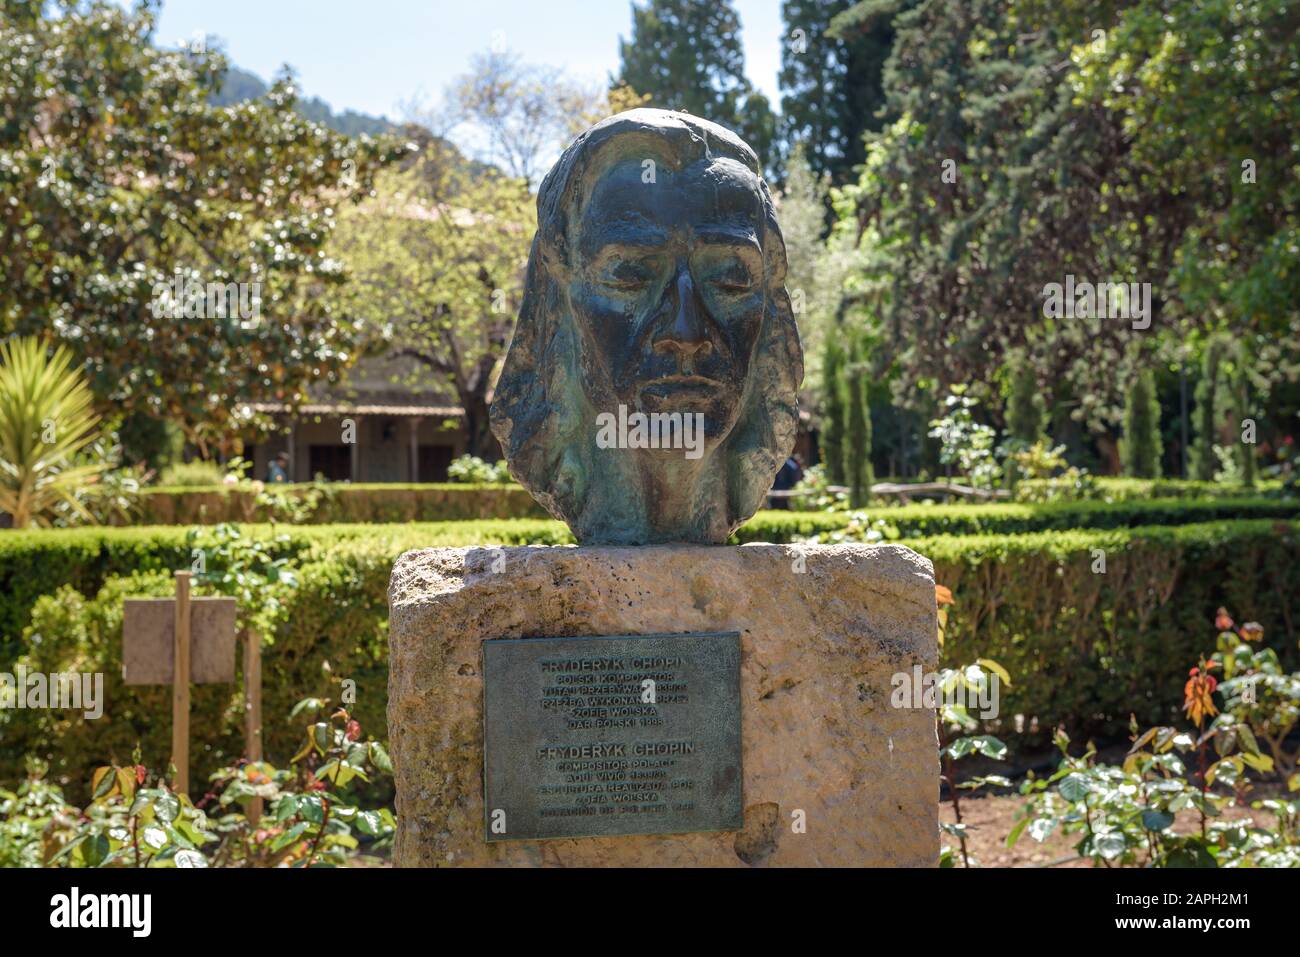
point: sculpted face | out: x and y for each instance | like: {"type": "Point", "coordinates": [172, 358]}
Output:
{"type": "Point", "coordinates": [667, 290]}
{"type": "Point", "coordinates": [654, 307]}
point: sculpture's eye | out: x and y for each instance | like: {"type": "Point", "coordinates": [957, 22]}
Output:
{"type": "Point", "coordinates": [628, 275]}
{"type": "Point", "coordinates": [731, 276]}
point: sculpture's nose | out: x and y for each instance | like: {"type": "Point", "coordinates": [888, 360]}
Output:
{"type": "Point", "coordinates": [685, 336]}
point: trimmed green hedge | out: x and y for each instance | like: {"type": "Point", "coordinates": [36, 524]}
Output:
{"type": "Point", "coordinates": [1088, 649]}
{"type": "Point", "coordinates": [35, 563]}
{"type": "Point", "coordinates": [450, 501]}
{"type": "Point", "coordinates": [916, 521]}
{"type": "Point", "coordinates": [342, 502]}
{"type": "Point", "coordinates": [1115, 489]}
{"type": "Point", "coordinates": [1084, 649]}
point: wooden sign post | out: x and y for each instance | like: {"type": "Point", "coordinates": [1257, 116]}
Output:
{"type": "Point", "coordinates": [183, 640]}
{"type": "Point", "coordinates": [253, 709]}
{"type": "Point", "coordinates": [181, 683]}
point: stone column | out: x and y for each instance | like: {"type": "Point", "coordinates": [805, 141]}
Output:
{"type": "Point", "coordinates": [832, 773]}
{"type": "Point", "coordinates": [413, 432]}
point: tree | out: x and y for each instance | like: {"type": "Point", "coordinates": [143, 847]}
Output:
{"type": "Point", "coordinates": [614, 100]}
{"type": "Point", "coordinates": [1203, 461]}
{"type": "Point", "coordinates": [1242, 426]}
{"type": "Point", "coordinates": [831, 438]}
{"type": "Point", "coordinates": [46, 419]}
{"type": "Point", "coordinates": [817, 267]}
{"type": "Point", "coordinates": [1245, 448]}
{"type": "Point", "coordinates": [438, 256]}
{"type": "Point", "coordinates": [857, 439]}
{"type": "Point", "coordinates": [686, 55]}
{"type": "Point", "coordinates": [523, 113]}
{"type": "Point", "coordinates": [1026, 410]}
{"type": "Point", "coordinates": [1030, 142]}
{"type": "Point", "coordinates": [121, 184]}
{"type": "Point", "coordinates": [1140, 448]}
{"type": "Point", "coordinates": [832, 77]}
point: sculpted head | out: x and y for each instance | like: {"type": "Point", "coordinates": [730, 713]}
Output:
{"type": "Point", "coordinates": [649, 393]}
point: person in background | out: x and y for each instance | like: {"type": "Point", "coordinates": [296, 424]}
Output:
{"type": "Point", "coordinates": [277, 470]}
{"type": "Point", "coordinates": [787, 478]}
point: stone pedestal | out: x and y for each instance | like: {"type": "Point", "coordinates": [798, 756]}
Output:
{"type": "Point", "coordinates": [824, 628]}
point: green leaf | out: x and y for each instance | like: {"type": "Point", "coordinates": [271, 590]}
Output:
{"type": "Point", "coordinates": [1260, 762]}
{"type": "Point", "coordinates": [1147, 736]}
{"type": "Point", "coordinates": [1110, 844]}
{"type": "Point", "coordinates": [1074, 787]}
{"type": "Point", "coordinates": [990, 665]}
{"type": "Point", "coordinates": [289, 837]}
{"type": "Point", "coordinates": [1248, 742]}
{"type": "Point", "coordinates": [312, 809]}
{"type": "Point", "coordinates": [961, 747]}
{"type": "Point", "coordinates": [287, 807]}
{"type": "Point", "coordinates": [167, 806]}
{"type": "Point", "coordinates": [1191, 854]}
{"type": "Point", "coordinates": [1041, 827]}
{"type": "Point", "coordinates": [990, 747]}
{"type": "Point", "coordinates": [102, 782]}
{"type": "Point", "coordinates": [379, 757]}
{"type": "Point", "coordinates": [95, 850]}
{"type": "Point", "coordinates": [311, 705]}
{"type": "Point", "coordinates": [144, 798]}
{"type": "Point", "coordinates": [1154, 820]}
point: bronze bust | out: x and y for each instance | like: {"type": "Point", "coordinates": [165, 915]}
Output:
{"type": "Point", "coordinates": [649, 393]}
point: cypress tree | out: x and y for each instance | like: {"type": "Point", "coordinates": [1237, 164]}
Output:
{"type": "Point", "coordinates": [1026, 410]}
{"type": "Point", "coordinates": [1245, 450]}
{"type": "Point", "coordinates": [1203, 462]}
{"type": "Point", "coordinates": [688, 55]}
{"type": "Point", "coordinates": [831, 440]}
{"type": "Point", "coordinates": [857, 435]}
{"type": "Point", "coordinates": [1141, 448]}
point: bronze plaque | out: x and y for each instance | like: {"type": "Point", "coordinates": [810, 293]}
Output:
{"type": "Point", "coordinates": [593, 737]}
{"type": "Point", "coordinates": [149, 640]}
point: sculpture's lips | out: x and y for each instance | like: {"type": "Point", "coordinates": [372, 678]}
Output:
{"type": "Point", "coordinates": [681, 383]}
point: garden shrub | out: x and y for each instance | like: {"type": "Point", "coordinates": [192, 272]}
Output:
{"type": "Point", "coordinates": [333, 625]}
{"type": "Point", "coordinates": [914, 521]}
{"type": "Point", "coordinates": [1112, 489]}
{"type": "Point", "coordinates": [37, 563]}
{"type": "Point", "coordinates": [1086, 648]}
{"type": "Point", "coordinates": [342, 502]}
{"type": "Point", "coordinates": [1140, 448]}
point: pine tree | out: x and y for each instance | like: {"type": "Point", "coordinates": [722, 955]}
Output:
{"type": "Point", "coordinates": [857, 437]}
{"type": "Point", "coordinates": [1140, 449]}
{"type": "Point", "coordinates": [831, 439]}
{"type": "Point", "coordinates": [1202, 461]}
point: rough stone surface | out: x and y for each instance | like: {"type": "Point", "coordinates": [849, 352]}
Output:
{"type": "Point", "coordinates": [819, 649]}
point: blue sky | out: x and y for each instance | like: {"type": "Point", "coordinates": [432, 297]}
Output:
{"type": "Point", "coordinates": [371, 56]}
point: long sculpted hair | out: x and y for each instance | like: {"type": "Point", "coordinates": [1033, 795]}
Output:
{"type": "Point", "coordinates": [543, 411]}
